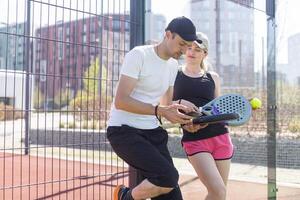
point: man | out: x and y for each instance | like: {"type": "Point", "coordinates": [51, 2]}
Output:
{"type": "Point", "coordinates": [147, 78]}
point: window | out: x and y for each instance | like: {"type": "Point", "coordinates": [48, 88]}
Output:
{"type": "Point", "coordinates": [116, 25]}
{"type": "Point", "coordinates": [7, 100]}
{"type": "Point", "coordinates": [92, 27]}
{"type": "Point", "coordinates": [38, 46]}
{"type": "Point", "coordinates": [43, 70]}
{"type": "Point", "coordinates": [92, 37]}
{"type": "Point", "coordinates": [60, 33]}
{"type": "Point", "coordinates": [68, 30]}
{"type": "Point", "coordinates": [116, 45]}
{"type": "Point", "coordinates": [1, 63]}
{"type": "Point", "coordinates": [84, 28]}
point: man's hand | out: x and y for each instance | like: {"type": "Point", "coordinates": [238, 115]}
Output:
{"type": "Point", "coordinates": [189, 104]}
{"type": "Point", "coordinates": [172, 114]}
{"type": "Point", "coordinates": [195, 110]}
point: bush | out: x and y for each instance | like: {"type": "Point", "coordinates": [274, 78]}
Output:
{"type": "Point", "coordinates": [62, 97]}
{"type": "Point", "coordinates": [90, 107]}
{"type": "Point", "coordinates": [67, 125]}
{"type": "Point", "coordinates": [9, 113]}
{"type": "Point", "coordinates": [38, 98]}
{"type": "Point", "coordinates": [92, 124]}
{"type": "Point", "coordinates": [294, 125]}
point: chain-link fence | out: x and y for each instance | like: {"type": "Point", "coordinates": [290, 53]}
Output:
{"type": "Point", "coordinates": [59, 64]}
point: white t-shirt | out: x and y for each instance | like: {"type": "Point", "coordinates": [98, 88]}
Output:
{"type": "Point", "coordinates": [154, 76]}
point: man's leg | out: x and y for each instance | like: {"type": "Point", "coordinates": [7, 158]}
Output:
{"type": "Point", "coordinates": [132, 146]}
{"type": "Point", "coordinates": [175, 194]}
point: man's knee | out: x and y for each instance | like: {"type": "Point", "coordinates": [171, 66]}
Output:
{"type": "Point", "coordinates": [169, 178]}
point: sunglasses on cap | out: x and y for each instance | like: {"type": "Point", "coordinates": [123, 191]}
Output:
{"type": "Point", "coordinates": [199, 41]}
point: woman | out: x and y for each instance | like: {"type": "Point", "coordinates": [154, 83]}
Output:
{"type": "Point", "coordinates": [209, 149]}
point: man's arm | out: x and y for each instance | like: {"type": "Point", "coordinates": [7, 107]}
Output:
{"type": "Point", "coordinates": [123, 101]}
{"type": "Point", "coordinates": [168, 97]}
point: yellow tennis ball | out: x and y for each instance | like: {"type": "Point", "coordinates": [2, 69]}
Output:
{"type": "Point", "coordinates": [255, 103]}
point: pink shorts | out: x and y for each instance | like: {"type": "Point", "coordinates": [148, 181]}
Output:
{"type": "Point", "coordinates": [220, 147]}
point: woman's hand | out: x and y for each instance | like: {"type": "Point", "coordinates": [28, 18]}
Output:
{"type": "Point", "coordinates": [192, 128]}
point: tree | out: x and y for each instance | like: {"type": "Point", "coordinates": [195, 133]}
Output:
{"type": "Point", "coordinates": [91, 76]}
{"type": "Point", "coordinates": [38, 98]}
{"type": "Point", "coordinates": [90, 99]}
{"type": "Point", "coordinates": [62, 97]}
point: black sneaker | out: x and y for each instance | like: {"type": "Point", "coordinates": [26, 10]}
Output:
{"type": "Point", "coordinates": [120, 192]}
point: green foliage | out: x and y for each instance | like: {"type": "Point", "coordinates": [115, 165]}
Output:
{"type": "Point", "coordinates": [62, 97]}
{"type": "Point", "coordinates": [90, 101]}
{"type": "Point", "coordinates": [89, 107]}
{"type": "Point", "coordinates": [67, 125]}
{"type": "Point", "coordinates": [91, 78]}
{"type": "Point", "coordinates": [95, 77]}
{"type": "Point", "coordinates": [288, 95]}
{"type": "Point", "coordinates": [62, 125]}
{"type": "Point", "coordinates": [38, 98]}
{"type": "Point", "coordinates": [294, 125]}
{"type": "Point", "coordinates": [91, 124]}
{"type": "Point", "coordinates": [103, 81]}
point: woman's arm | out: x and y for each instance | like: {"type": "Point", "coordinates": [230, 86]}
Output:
{"type": "Point", "coordinates": [216, 79]}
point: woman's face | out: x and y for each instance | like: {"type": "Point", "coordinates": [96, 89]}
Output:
{"type": "Point", "coordinates": [195, 55]}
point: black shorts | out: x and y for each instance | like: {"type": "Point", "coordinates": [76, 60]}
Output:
{"type": "Point", "coordinates": [146, 150]}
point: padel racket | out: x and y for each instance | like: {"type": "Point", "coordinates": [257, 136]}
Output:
{"type": "Point", "coordinates": [226, 104]}
{"type": "Point", "coordinates": [212, 119]}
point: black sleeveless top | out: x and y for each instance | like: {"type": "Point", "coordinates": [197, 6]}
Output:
{"type": "Point", "coordinates": [199, 91]}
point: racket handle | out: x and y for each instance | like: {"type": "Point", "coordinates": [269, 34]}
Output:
{"type": "Point", "coordinates": [211, 119]}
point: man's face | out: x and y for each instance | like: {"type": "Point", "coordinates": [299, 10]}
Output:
{"type": "Point", "coordinates": [176, 45]}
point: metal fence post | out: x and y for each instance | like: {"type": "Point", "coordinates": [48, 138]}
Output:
{"type": "Point", "coordinates": [137, 37]}
{"type": "Point", "coordinates": [27, 82]}
{"type": "Point", "coordinates": [271, 99]}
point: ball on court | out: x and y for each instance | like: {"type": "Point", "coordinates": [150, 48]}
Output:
{"type": "Point", "coordinates": [255, 103]}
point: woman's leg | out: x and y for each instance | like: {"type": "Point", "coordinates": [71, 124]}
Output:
{"type": "Point", "coordinates": [224, 168]}
{"type": "Point", "coordinates": [208, 172]}
{"type": "Point", "coordinates": [223, 154]}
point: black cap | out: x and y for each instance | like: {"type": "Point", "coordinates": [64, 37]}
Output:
{"type": "Point", "coordinates": [184, 27]}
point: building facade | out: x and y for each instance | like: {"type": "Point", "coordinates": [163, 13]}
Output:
{"type": "Point", "coordinates": [230, 28]}
{"type": "Point", "coordinates": [12, 40]}
{"type": "Point", "coordinates": [65, 50]}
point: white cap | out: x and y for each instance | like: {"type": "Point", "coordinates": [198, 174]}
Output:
{"type": "Point", "coordinates": [202, 41]}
